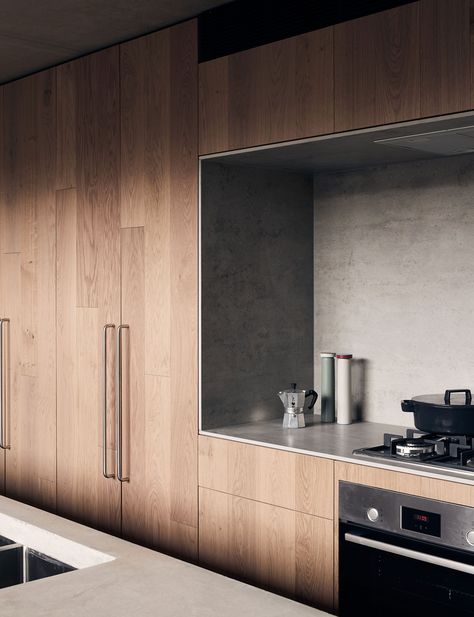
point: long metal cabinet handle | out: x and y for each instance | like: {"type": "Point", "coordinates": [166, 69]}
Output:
{"type": "Point", "coordinates": [119, 430]}
{"type": "Point", "coordinates": [4, 384]}
{"type": "Point", "coordinates": [109, 326]}
{"type": "Point", "coordinates": [411, 554]}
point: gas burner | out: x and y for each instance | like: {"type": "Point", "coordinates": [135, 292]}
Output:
{"type": "Point", "coordinates": [455, 452]}
{"type": "Point", "coordinates": [414, 447]}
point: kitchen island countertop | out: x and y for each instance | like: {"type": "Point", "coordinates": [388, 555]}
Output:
{"type": "Point", "coordinates": [332, 440]}
{"type": "Point", "coordinates": [137, 582]}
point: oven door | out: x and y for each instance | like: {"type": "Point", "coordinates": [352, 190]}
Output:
{"type": "Point", "coordinates": [385, 574]}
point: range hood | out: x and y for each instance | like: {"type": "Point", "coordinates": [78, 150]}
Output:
{"type": "Point", "coordinates": [396, 143]}
{"type": "Point", "coordinates": [447, 142]}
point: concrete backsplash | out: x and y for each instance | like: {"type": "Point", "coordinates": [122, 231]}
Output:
{"type": "Point", "coordinates": [257, 290]}
{"type": "Point", "coordinates": [394, 279]}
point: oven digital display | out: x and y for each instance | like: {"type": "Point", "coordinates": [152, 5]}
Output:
{"type": "Point", "coordinates": [423, 522]}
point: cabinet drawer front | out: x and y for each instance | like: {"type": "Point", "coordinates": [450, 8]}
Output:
{"type": "Point", "coordinates": [281, 550]}
{"type": "Point", "coordinates": [294, 481]}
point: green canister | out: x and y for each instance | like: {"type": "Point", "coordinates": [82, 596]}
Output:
{"type": "Point", "coordinates": [328, 387]}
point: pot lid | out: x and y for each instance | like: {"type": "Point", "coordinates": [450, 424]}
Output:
{"type": "Point", "coordinates": [451, 398]}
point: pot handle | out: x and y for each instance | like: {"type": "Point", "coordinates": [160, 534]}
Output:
{"type": "Point", "coordinates": [407, 405]}
{"type": "Point", "coordinates": [447, 396]}
{"type": "Point", "coordinates": [313, 400]}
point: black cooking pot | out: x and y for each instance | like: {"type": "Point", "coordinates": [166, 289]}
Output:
{"type": "Point", "coordinates": [435, 413]}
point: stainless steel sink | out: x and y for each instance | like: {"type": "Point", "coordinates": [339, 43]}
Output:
{"type": "Point", "coordinates": [21, 564]}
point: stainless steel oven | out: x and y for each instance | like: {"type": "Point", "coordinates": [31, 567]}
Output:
{"type": "Point", "coordinates": [404, 555]}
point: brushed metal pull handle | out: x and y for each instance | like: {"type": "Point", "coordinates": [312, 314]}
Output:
{"type": "Point", "coordinates": [106, 474]}
{"type": "Point", "coordinates": [119, 430]}
{"type": "Point", "coordinates": [410, 553]}
{"type": "Point", "coordinates": [4, 382]}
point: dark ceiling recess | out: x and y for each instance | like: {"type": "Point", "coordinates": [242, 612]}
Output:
{"type": "Point", "coordinates": [243, 24]}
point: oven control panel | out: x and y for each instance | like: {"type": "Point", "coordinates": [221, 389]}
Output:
{"type": "Point", "coordinates": [443, 523]}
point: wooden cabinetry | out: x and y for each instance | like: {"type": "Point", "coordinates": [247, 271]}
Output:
{"type": "Point", "coordinates": [271, 93]}
{"type": "Point", "coordinates": [413, 61]}
{"type": "Point", "coordinates": [88, 281]}
{"type": "Point", "coordinates": [98, 225]}
{"type": "Point", "coordinates": [279, 549]}
{"type": "Point", "coordinates": [265, 516]}
{"type": "Point", "coordinates": [293, 481]}
{"type": "Point", "coordinates": [377, 69]}
{"type": "Point", "coordinates": [27, 284]}
{"type": "Point", "coordinates": [445, 56]}
{"type": "Point", "coordinates": [159, 286]}
{"type": "Point", "coordinates": [409, 62]}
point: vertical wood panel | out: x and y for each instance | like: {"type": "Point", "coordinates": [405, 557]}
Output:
{"type": "Point", "coordinates": [3, 233]}
{"type": "Point", "coordinates": [83, 493]}
{"type": "Point", "coordinates": [30, 165]}
{"type": "Point", "coordinates": [135, 134]}
{"type": "Point", "coordinates": [276, 92]}
{"type": "Point", "coordinates": [10, 273]}
{"type": "Point", "coordinates": [159, 285]}
{"type": "Point", "coordinates": [279, 549]}
{"type": "Point", "coordinates": [213, 105]}
{"type": "Point", "coordinates": [66, 176]}
{"type": "Point", "coordinates": [314, 560]}
{"type": "Point", "coordinates": [88, 280]}
{"type": "Point", "coordinates": [377, 74]}
{"type": "Point", "coordinates": [445, 57]}
{"type": "Point", "coordinates": [183, 273]}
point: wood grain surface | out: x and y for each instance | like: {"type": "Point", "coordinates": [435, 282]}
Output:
{"type": "Point", "coordinates": [275, 548]}
{"type": "Point", "coordinates": [445, 56]}
{"type": "Point", "coordinates": [294, 481]}
{"type": "Point", "coordinates": [88, 283]}
{"type": "Point", "coordinates": [28, 271]}
{"type": "Point", "coordinates": [271, 93]}
{"type": "Point", "coordinates": [377, 69]}
{"type": "Point", "coordinates": [159, 286]}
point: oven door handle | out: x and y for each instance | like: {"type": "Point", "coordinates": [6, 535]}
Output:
{"type": "Point", "coordinates": [411, 554]}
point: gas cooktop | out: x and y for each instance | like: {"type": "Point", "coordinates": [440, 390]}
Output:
{"type": "Point", "coordinates": [449, 451]}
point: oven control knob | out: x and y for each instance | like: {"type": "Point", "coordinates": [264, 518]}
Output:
{"type": "Point", "coordinates": [373, 515]}
{"type": "Point", "coordinates": [470, 537]}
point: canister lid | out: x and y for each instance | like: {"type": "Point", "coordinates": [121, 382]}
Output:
{"type": "Point", "coordinates": [327, 354]}
{"type": "Point", "coordinates": [344, 356]}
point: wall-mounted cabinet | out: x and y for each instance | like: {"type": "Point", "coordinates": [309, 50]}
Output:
{"type": "Point", "coordinates": [377, 69]}
{"type": "Point", "coordinates": [410, 62]}
{"type": "Point", "coordinates": [267, 94]}
{"type": "Point", "coordinates": [446, 58]}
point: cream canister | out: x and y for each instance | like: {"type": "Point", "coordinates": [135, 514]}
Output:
{"type": "Point", "coordinates": [344, 389]}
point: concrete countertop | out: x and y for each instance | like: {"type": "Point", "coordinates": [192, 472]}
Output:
{"type": "Point", "coordinates": [137, 582]}
{"type": "Point", "coordinates": [335, 441]}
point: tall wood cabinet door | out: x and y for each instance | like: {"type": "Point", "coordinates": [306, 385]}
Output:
{"type": "Point", "coordinates": [3, 281]}
{"type": "Point", "coordinates": [445, 56]}
{"type": "Point", "coordinates": [377, 68]}
{"type": "Point", "coordinates": [276, 92]}
{"type": "Point", "coordinates": [27, 265]}
{"type": "Point", "coordinates": [159, 288]}
{"type": "Point", "coordinates": [88, 285]}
